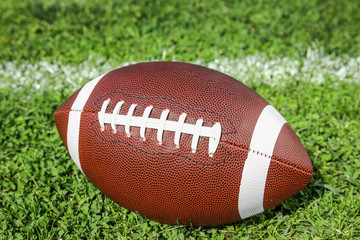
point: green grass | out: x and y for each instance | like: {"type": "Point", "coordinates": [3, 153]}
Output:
{"type": "Point", "coordinates": [44, 56]}
{"type": "Point", "coordinates": [70, 31]}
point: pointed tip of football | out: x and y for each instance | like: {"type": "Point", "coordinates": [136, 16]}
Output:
{"type": "Point", "coordinates": [289, 148]}
{"type": "Point", "coordinates": [290, 169]}
{"type": "Point", "coordinates": [61, 117]}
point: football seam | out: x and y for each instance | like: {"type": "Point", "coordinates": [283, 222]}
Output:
{"type": "Point", "coordinates": [277, 159]}
{"type": "Point", "coordinates": [162, 154]}
{"type": "Point", "coordinates": [293, 167]}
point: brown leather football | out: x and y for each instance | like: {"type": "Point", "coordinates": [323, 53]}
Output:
{"type": "Point", "coordinates": [182, 144]}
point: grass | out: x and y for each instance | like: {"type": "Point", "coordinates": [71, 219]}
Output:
{"type": "Point", "coordinates": [48, 49]}
{"type": "Point", "coordinates": [70, 31]}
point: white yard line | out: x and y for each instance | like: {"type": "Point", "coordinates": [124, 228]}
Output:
{"type": "Point", "coordinates": [314, 67]}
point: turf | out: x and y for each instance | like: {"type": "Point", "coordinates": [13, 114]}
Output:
{"type": "Point", "coordinates": [126, 30]}
{"type": "Point", "coordinates": [302, 57]}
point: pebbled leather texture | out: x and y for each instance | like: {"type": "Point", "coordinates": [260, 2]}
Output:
{"type": "Point", "coordinates": [169, 184]}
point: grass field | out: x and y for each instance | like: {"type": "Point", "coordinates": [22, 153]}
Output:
{"type": "Point", "coordinates": [304, 58]}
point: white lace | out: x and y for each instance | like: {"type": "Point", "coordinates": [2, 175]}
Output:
{"type": "Point", "coordinates": [161, 124]}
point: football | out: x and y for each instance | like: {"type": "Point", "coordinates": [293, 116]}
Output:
{"type": "Point", "coordinates": [182, 144]}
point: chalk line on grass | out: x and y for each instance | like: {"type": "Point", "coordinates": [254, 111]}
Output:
{"type": "Point", "coordinates": [314, 67]}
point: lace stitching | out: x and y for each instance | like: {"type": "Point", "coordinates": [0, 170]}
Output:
{"type": "Point", "coordinates": [161, 125]}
